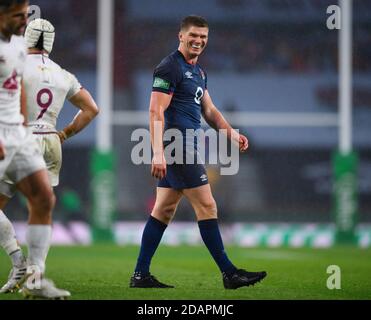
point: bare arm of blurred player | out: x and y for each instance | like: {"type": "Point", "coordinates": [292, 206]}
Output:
{"type": "Point", "coordinates": [159, 103]}
{"type": "Point", "coordinates": [23, 112]}
{"type": "Point", "coordinates": [2, 151]}
{"type": "Point", "coordinates": [215, 119]}
{"type": "Point", "coordinates": [88, 111]}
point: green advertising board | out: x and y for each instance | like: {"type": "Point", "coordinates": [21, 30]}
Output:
{"type": "Point", "coordinates": [103, 188]}
{"type": "Point", "coordinates": [345, 196]}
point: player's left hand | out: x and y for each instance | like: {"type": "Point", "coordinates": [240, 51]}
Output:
{"type": "Point", "coordinates": [244, 143]}
{"type": "Point", "coordinates": [158, 166]}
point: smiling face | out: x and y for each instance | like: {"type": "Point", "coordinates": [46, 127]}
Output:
{"type": "Point", "coordinates": [193, 41]}
{"type": "Point", "coordinates": [13, 21]}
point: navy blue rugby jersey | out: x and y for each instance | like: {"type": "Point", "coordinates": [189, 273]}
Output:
{"type": "Point", "coordinates": [187, 83]}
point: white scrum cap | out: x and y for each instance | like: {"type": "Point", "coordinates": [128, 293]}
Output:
{"type": "Point", "coordinates": [40, 28]}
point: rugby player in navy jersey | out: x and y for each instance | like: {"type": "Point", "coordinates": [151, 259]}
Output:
{"type": "Point", "coordinates": [179, 98]}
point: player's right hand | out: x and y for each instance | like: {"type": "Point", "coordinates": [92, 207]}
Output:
{"type": "Point", "coordinates": [2, 151]}
{"type": "Point", "coordinates": [62, 136]}
{"type": "Point", "coordinates": [158, 166]}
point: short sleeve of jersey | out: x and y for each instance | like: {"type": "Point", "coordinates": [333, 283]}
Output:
{"type": "Point", "coordinates": [166, 76]}
{"type": "Point", "coordinates": [75, 85]}
{"type": "Point", "coordinates": [205, 80]}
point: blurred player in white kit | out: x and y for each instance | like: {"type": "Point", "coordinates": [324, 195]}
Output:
{"type": "Point", "coordinates": [47, 86]}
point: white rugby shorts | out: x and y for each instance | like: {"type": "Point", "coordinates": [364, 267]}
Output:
{"type": "Point", "coordinates": [23, 156]}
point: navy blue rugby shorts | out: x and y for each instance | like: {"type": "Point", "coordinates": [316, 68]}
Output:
{"type": "Point", "coordinates": [184, 176]}
{"type": "Point", "coordinates": [187, 175]}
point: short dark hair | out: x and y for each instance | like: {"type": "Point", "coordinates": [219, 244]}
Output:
{"type": "Point", "coordinates": [6, 4]}
{"type": "Point", "coordinates": [193, 21]}
{"type": "Point", "coordinates": [40, 43]}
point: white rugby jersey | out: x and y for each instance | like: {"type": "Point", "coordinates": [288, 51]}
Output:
{"type": "Point", "coordinates": [47, 87]}
{"type": "Point", "coordinates": [12, 61]}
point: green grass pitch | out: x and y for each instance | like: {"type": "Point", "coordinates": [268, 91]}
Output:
{"type": "Point", "coordinates": [103, 272]}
